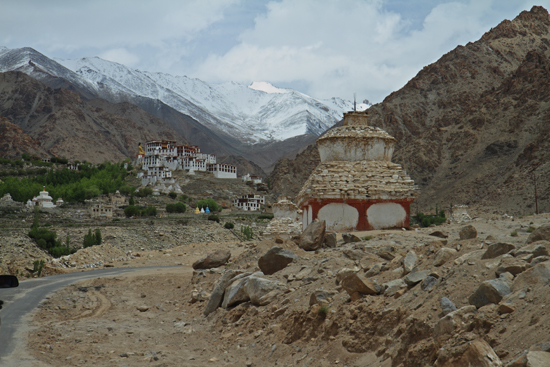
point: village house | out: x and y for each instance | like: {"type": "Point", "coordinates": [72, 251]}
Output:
{"type": "Point", "coordinates": [356, 186]}
{"type": "Point", "coordinates": [100, 210]}
{"type": "Point", "coordinates": [250, 202]}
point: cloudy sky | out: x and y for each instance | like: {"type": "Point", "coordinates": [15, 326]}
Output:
{"type": "Point", "coordinates": [322, 48]}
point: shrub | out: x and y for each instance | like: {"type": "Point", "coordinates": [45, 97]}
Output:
{"type": "Point", "coordinates": [229, 225]}
{"type": "Point", "coordinates": [184, 198]}
{"type": "Point", "coordinates": [514, 233]}
{"type": "Point", "coordinates": [144, 192]}
{"type": "Point", "coordinates": [214, 218]}
{"type": "Point", "coordinates": [150, 211]}
{"type": "Point", "coordinates": [131, 211]}
{"type": "Point", "coordinates": [265, 216]}
{"type": "Point", "coordinates": [38, 266]}
{"type": "Point", "coordinates": [530, 229]}
{"type": "Point", "coordinates": [173, 195]}
{"type": "Point", "coordinates": [323, 310]}
{"type": "Point", "coordinates": [366, 238]}
{"type": "Point", "coordinates": [247, 232]}
{"type": "Point", "coordinates": [131, 201]}
{"type": "Point", "coordinates": [178, 207]}
{"type": "Point", "coordinates": [126, 190]}
{"type": "Point", "coordinates": [59, 251]}
{"type": "Point", "coordinates": [89, 239]}
{"type": "Point", "coordinates": [427, 220]}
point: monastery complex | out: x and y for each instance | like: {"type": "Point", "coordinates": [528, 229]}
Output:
{"type": "Point", "coordinates": [161, 157]}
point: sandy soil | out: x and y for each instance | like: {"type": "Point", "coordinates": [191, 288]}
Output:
{"type": "Point", "coordinates": [155, 318]}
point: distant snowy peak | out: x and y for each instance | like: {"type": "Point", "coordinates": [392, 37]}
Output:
{"type": "Point", "coordinates": [252, 114]}
{"type": "Point", "coordinates": [267, 87]}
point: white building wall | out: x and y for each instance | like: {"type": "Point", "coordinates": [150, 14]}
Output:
{"type": "Point", "coordinates": [220, 174]}
{"type": "Point", "coordinates": [386, 215]}
{"type": "Point", "coordinates": [339, 217]}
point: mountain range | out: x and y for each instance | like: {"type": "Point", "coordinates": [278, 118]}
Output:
{"type": "Point", "coordinates": [473, 127]}
{"type": "Point", "coordinates": [259, 122]}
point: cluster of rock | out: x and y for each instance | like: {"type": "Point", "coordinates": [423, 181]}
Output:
{"type": "Point", "coordinates": [458, 331]}
{"type": "Point", "coordinates": [92, 257]}
{"type": "Point", "coordinates": [235, 287]}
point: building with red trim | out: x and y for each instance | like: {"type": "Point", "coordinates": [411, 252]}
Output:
{"type": "Point", "coordinates": [357, 187]}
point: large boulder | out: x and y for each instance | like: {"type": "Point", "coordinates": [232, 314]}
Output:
{"type": "Point", "coordinates": [536, 249]}
{"type": "Point", "coordinates": [539, 234]}
{"type": "Point", "coordinates": [531, 359]}
{"type": "Point", "coordinates": [468, 232]}
{"type": "Point", "coordinates": [511, 265]}
{"type": "Point", "coordinates": [213, 260]}
{"type": "Point", "coordinates": [276, 259]}
{"type": "Point", "coordinates": [439, 234]}
{"type": "Point", "coordinates": [537, 276]}
{"type": "Point", "coordinates": [219, 289]}
{"type": "Point", "coordinates": [357, 283]}
{"type": "Point", "coordinates": [443, 255]}
{"type": "Point", "coordinates": [409, 261]}
{"type": "Point", "coordinates": [497, 249]}
{"type": "Point", "coordinates": [344, 273]}
{"type": "Point", "coordinates": [490, 291]}
{"type": "Point", "coordinates": [256, 288]}
{"type": "Point", "coordinates": [330, 240]}
{"type": "Point", "coordinates": [449, 323]}
{"type": "Point", "coordinates": [235, 292]}
{"type": "Point", "coordinates": [350, 238]}
{"type": "Point", "coordinates": [312, 238]}
{"type": "Point", "coordinates": [476, 353]}
{"type": "Point", "coordinates": [416, 277]}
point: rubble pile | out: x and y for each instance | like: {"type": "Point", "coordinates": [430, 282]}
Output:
{"type": "Point", "coordinates": [92, 257]}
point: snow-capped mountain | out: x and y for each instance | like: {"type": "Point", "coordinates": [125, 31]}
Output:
{"type": "Point", "coordinates": [251, 114]}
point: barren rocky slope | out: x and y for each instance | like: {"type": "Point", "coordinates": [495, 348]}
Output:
{"type": "Point", "coordinates": [67, 126]}
{"type": "Point", "coordinates": [312, 317]}
{"type": "Point", "coordinates": [473, 126]}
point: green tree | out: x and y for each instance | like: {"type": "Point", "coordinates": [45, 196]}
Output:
{"type": "Point", "coordinates": [132, 201]}
{"type": "Point", "coordinates": [150, 211]}
{"type": "Point", "coordinates": [89, 239]}
{"type": "Point", "coordinates": [97, 237]}
{"type": "Point", "coordinates": [131, 211]}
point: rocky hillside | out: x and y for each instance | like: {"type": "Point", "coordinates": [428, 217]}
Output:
{"type": "Point", "coordinates": [473, 126]}
{"type": "Point", "coordinates": [14, 141]}
{"type": "Point", "coordinates": [38, 119]}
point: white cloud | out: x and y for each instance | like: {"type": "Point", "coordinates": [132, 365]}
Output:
{"type": "Point", "coordinates": [120, 55]}
{"type": "Point", "coordinates": [69, 25]}
{"type": "Point", "coordinates": [338, 48]}
{"type": "Point", "coordinates": [327, 48]}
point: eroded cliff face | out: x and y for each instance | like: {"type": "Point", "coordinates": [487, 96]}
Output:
{"type": "Point", "coordinates": [14, 141]}
{"type": "Point", "coordinates": [471, 127]}
{"type": "Point", "coordinates": [64, 125]}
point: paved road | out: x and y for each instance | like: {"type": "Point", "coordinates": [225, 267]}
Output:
{"type": "Point", "coordinates": [19, 301]}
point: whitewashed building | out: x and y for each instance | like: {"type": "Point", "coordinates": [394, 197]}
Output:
{"type": "Point", "coordinates": [221, 170]}
{"type": "Point", "coordinates": [161, 157]}
{"type": "Point", "coordinates": [255, 179]}
{"type": "Point", "coordinates": [249, 202]}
